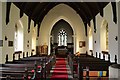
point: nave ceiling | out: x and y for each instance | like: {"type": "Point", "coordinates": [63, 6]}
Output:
{"type": "Point", "coordinates": [37, 10]}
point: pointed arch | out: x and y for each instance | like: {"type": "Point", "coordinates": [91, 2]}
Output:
{"type": "Point", "coordinates": [104, 35]}
{"type": "Point", "coordinates": [18, 36]}
{"type": "Point", "coordinates": [33, 39]}
{"type": "Point", "coordinates": [90, 39]}
{"type": "Point", "coordinates": [65, 12]}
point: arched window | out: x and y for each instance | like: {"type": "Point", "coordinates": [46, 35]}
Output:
{"type": "Point", "coordinates": [33, 39]}
{"type": "Point", "coordinates": [90, 39]}
{"type": "Point", "coordinates": [107, 36]}
{"type": "Point", "coordinates": [62, 38]}
{"type": "Point", "coordinates": [104, 35]}
{"type": "Point", "coordinates": [18, 36]}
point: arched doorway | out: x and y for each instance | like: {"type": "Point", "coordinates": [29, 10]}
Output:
{"type": "Point", "coordinates": [62, 38]}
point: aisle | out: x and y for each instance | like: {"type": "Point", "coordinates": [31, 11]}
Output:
{"type": "Point", "coordinates": [61, 70]}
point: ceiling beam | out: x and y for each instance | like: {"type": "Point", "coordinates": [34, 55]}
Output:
{"type": "Point", "coordinates": [93, 8]}
{"type": "Point", "coordinates": [37, 10]}
{"type": "Point", "coordinates": [86, 10]}
{"type": "Point", "coordinates": [114, 11]}
{"type": "Point", "coordinates": [8, 6]}
{"type": "Point", "coordinates": [46, 9]}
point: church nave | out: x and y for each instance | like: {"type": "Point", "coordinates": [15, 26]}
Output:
{"type": "Point", "coordinates": [59, 40]}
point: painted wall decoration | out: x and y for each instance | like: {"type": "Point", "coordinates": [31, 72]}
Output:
{"type": "Point", "coordinates": [81, 44]}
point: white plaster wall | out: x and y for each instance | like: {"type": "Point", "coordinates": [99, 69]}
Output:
{"type": "Point", "coordinates": [28, 36]}
{"type": "Point", "coordinates": [34, 36]}
{"type": "Point", "coordinates": [87, 42]}
{"type": "Point", "coordinates": [92, 40]}
{"type": "Point", "coordinates": [62, 11]}
{"type": "Point", "coordinates": [103, 35]}
{"type": "Point", "coordinates": [8, 30]}
{"type": "Point", "coordinates": [0, 31]}
{"type": "Point", "coordinates": [113, 32]}
{"type": "Point", "coordinates": [118, 36]}
{"type": "Point", "coordinates": [112, 28]}
{"type": "Point", "coordinates": [96, 46]}
{"type": "Point", "coordinates": [19, 46]}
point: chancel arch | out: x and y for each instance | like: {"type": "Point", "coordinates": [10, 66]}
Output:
{"type": "Point", "coordinates": [62, 29]}
{"type": "Point", "coordinates": [75, 22]}
{"type": "Point", "coordinates": [62, 34]}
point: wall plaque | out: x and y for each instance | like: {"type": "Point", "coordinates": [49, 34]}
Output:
{"type": "Point", "coordinates": [10, 43]}
{"type": "Point", "coordinates": [81, 44]}
{"type": "Point", "coordinates": [1, 43]}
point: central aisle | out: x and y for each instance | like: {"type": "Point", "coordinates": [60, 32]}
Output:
{"type": "Point", "coordinates": [61, 70]}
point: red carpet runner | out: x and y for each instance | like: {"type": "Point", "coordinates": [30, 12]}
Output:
{"type": "Point", "coordinates": [60, 70]}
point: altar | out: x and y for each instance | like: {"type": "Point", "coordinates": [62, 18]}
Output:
{"type": "Point", "coordinates": [62, 51]}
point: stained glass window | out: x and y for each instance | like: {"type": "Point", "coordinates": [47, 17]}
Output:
{"type": "Point", "coordinates": [107, 37]}
{"type": "Point", "coordinates": [62, 38]}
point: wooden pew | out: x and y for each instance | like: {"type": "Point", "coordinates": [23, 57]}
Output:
{"type": "Point", "coordinates": [46, 64]}
{"type": "Point", "coordinates": [49, 65]}
{"type": "Point", "coordinates": [16, 71]}
{"type": "Point", "coordinates": [94, 64]}
{"type": "Point", "coordinates": [20, 65]}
